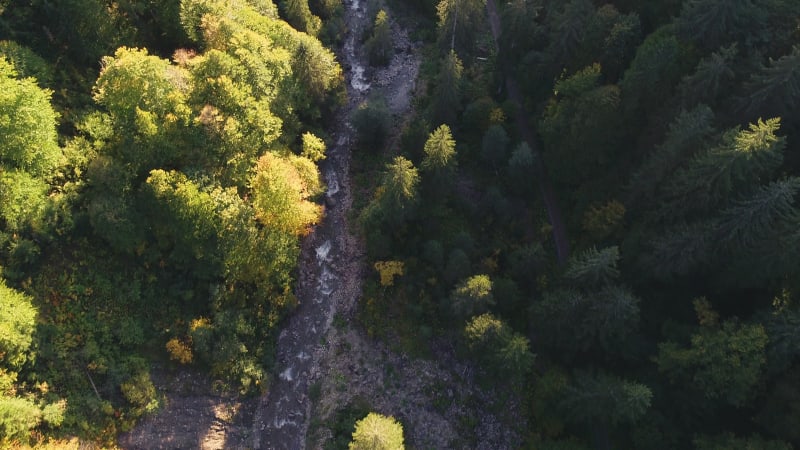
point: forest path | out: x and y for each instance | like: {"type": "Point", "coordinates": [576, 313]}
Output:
{"type": "Point", "coordinates": [523, 126]}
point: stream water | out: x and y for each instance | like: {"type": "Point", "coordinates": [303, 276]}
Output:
{"type": "Point", "coordinates": [329, 258]}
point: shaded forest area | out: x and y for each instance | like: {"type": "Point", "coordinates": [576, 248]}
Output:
{"type": "Point", "coordinates": [157, 170]}
{"type": "Point", "coordinates": [668, 134]}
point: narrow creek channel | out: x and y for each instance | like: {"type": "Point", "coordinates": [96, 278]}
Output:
{"type": "Point", "coordinates": [328, 268]}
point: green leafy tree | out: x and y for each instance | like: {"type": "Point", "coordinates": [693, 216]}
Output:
{"type": "Point", "coordinates": [18, 416]}
{"type": "Point", "coordinates": [234, 116]}
{"type": "Point", "coordinates": [111, 206]}
{"type": "Point", "coordinates": [23, 200]}
{"type": "Point", "coordinates": [27, 63]}
{"type": "Point", "coordinates": [27, 124]}
{"type": "Point", "coordinates": [145, 96]}
{"type": "Point", "coordinates": [299, 15]}
{"type": "Point", "coordinates": [377, 432]}
{"type": "Point", "coordinates": [184, 221]}
{"type": "Point", "coordinates": [83, 31]}
{"type": "Point", "coordinates": [722, 363]}
{"type": "Point", "coordinates": [313, 147]}
{"type": "Point", "coordinates": [17, 324]}
{"type": "Point", "coordinates": [282, 192]}
{"type": "Point", "coordinates": [287, 72]}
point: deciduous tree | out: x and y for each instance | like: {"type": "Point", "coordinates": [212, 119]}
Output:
{"type": "Point", "coordinates": [377, 432]}
{"type": "Point", "coordinates": [27, 124]}
{"type": "Point", "coordinates": [723, 363]}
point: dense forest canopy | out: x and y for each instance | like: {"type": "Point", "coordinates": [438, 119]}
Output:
{"type": "Point", "coordinates": [665, 134]}
{"type": "Point", "coordinates": [160, 208]}
{"type": "Point", "coordinates": [159, 166]}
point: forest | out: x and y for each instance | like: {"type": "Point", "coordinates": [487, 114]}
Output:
{"type": "Point", "coordinates": [594, 201]}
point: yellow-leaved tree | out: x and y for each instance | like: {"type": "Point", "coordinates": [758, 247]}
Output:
{"type": "Point", "coordinates": [283, 187]}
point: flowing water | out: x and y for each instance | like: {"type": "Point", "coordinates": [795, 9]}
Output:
{"type": "Point", "coordinates": [330, 260]}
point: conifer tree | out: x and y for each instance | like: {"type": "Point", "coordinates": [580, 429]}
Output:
{"type": "Point", "coordinates": [440, 151]}
{"type": "Point", "coordinates": [447, 101]}
{"type": "Point", "coordinates": [679, 250]}
{"type": "Point", "coordinates": [567, 29]}
{"type": "Point", "coordinates": [299, 16]}
{"type": "Point", "coordinates": [775, 90]}
{"type": "Point", "coordinates": [712, 23]}
{"type": "Point", "coordinates": [594, 399]}
{"type": "Point", "coordinates": [593, 268]}
{"type": "Point", "coordinates": [379, 45]}
{"type": "Point", "coordinates": [735, 165]}
{"type": "Point", "coordinates": [760, 216]}
{"type": "Point", "coordinates": [712, 77]}
{"type": "Point", "coordinates": [688, 133]}
{"type": "Point", "coordinates": [723, 362]}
